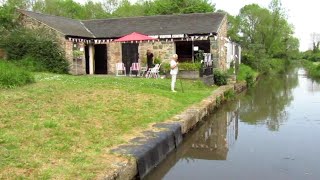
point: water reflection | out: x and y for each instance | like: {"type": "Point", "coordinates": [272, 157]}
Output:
{"type": "Point", "coordinates": [266, 103]}
{"type": "Point", "coordinates": [210, 141]}
{"type": "Point", "coordinates": [214, 150]}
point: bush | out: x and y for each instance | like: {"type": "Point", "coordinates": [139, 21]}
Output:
{"type": "Point", "coordinates": [30, 64]}
{"type": "Point", "coordinates": [220, 78]}
{"type": "Point", "coordinates": [183, 66]}
{"type": "Point", "coordinates": [249, 79]}
{"type": "Point", "coordinates": [244, 71]}
{"type": "Point", "coordinates": [312, 68]}
{"type": "Point", "coordinates": [11, 75]}
{"type": "Point", "coordinates": [26, 44]}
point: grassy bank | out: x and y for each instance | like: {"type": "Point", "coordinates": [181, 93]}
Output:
{"type": "Point", "coordinates": [12, 76]}
{"type": "Point", "coordinates": [313, 68]}
{"type": "Point", "coordinates": [60, 126]}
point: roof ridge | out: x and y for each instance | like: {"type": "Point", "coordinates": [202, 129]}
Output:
{"type": "Point", "coordinates": [165, 15]}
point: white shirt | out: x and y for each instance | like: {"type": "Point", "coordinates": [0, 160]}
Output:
{"type": "Point", "coordinates": [173, 63]}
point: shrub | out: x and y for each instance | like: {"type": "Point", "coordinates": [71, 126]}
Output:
{"type": "Point", "coordinates": [220, 78]}
{"type": "Point", "coordinates": [243, 72]}
{"type": "Point", "coordinates": [30, 64]}
{"type": "Point", "coordinates": [249, 79]}
{"type": "Point", "coordinates": [23, 43]}
{"type": "Point", "coordinates": [312, 68]}
{"type": "Point", "coordinates": [229, 95]}
{"type": "Point", "coordinates": [11, 75]}
{"type": "Point", "coordinates": [182, 66]}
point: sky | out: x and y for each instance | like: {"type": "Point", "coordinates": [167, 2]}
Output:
{"type": "Point", "coordinates": [301, 14]}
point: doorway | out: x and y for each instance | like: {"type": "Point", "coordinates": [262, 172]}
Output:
{"type": "Point", "coordinates": [100, 57]}
{"type": "Point", "coordinates": [129, 54]}
{"type": "Point", "coordinates": [86, 50]}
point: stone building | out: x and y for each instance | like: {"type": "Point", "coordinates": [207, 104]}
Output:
{"type": "Point", "coordinates": [90, 48]}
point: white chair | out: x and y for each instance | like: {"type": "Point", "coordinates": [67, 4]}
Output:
{"type": "Point", "coordinates": [154, 72]}
{"type": "Point", "coordinates": [135, 67]}
{"type": "Point", "coordinates": [120, 68]}
{"type": "Point", "coordinates": [143, 71]}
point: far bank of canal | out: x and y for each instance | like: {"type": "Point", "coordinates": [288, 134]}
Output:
{"type": "Point", "coordinates": [270, 132]}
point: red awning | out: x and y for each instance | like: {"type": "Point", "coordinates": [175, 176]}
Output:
{"type": "Point", "coordinates": [135, 37]}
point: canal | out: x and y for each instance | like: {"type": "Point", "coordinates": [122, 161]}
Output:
{"type": "Point", "coordinates": [269, 132]}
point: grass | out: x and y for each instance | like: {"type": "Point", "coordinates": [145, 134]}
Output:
{"type": "Point", "coordinates": [61, 126]}
{"type": "Point", "coordinates": [12, 76]}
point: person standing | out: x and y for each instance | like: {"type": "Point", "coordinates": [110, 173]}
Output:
{"type": "Point", "coordinates": [149, 59]}
{"type": "Point", "coordinates": [174, 71]}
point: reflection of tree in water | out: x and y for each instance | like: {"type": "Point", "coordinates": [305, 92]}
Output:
{"type": "Point", "coordinates": [266, 102]}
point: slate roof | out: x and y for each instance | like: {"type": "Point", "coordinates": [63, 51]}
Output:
{"type": "Point", "coordinates": [64, 25]}
{"type": "Point", "coordinates": [157, 25]}
{"type": "Point", "coordinates": [197, 23]}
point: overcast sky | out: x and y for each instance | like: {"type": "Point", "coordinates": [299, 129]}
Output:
{"type": "Point", "coordinates": [302, 14]}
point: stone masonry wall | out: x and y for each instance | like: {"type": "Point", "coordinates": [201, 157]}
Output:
{"type": "Point", "coordinates": [218, 49]}
{"type": "Point", "coordinates": [160, 49]}
{"type": "Point", "coordinates": [76, 66]}
{"type": "Point", "coordinates": [114, 53]}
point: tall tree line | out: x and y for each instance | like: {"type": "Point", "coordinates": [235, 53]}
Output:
{"type": "Point", "coordinates": [264, 32]}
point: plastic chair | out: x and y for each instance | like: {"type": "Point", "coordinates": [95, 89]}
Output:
{"type": "Point", "coordinates": [135, 67]}
{"type": "Point", "coordinates": [154, 72]}
{"type": "Point", "coordinates": [120, 68]}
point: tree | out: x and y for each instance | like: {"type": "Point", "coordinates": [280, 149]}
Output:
{"type": "Point", "coordinates": [162, 7]}
{"type": "Point", "coordinates": [315, 38]}
{"type": "Point", "coordinates": [126, 9]}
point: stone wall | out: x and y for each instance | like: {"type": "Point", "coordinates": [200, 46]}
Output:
{"type": "Point", "coordinates": [218, 50]}
{"type": "Point", "coordinates": [76, 66]}
{"type": "Point", "coordinates": [114, 53]}
{"type": "Point", "coordinates": [160, 49]}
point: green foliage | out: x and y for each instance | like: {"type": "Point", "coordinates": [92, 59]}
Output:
{"type": "Point", "coordinates": [30, 64]}
{"type": "Point", "coordinates": [313, 56]}
{"type": "Point", "coordinates": [162, 7]}
{"type": "Point", "coordinates": [312, 68]}
{"type": "Point", "coordinates": [245, 72]}
{"type": "Point", "coordinates": [71, 9]}
{"type": "Point", "coordinates": [265, 65]}
{"type": "Point", "coordinates": [157, 60]}
{"type": "Point", "coordinates": [229, 95]}
{"type": "Point", "coordinates": [12, 76]}
{"type": "Point", "coordinates": [183, 66]}
{"type": "Point", "coordinates": [265, 33]}
{"type": "Point", "coordinates": [249, 79]}
{"type": "Point", "coordinates": [220, 77]}
{"type": "Point", "coordinates": [23, 43]}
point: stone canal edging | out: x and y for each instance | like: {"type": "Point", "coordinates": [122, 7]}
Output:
{"type": "Point", "coordinates": [147, 151]}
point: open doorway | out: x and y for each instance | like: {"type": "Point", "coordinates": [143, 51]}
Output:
{"type": "Point", "coordinates": [184, 49]}
{"type": "Point", "coordinates": [129, 54]}
{"type": "Point", "coordinates": [100, 57]}
{"type": "Point", "coordinates": [86, 50]}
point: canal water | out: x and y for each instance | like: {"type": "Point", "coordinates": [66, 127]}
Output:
{"type": "Point", "coordinates": [270, 132]}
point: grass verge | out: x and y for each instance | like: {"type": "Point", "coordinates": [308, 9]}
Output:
{"type": "Point", "coordinates": [61, 126]}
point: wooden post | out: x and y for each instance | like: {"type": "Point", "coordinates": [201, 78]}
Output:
{"type": "Point", "coordinates": [91, 59]}
{"type": "Point", "coordinates": [192, 51]}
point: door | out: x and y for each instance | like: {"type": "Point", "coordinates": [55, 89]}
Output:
{"type": "Point", "coordinates": [100, 59]}
{"type": "Point", "coordinates": [129, 54]}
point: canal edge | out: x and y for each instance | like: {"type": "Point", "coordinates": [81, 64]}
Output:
{"type": "Point", "coordinates": [168, 135]}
